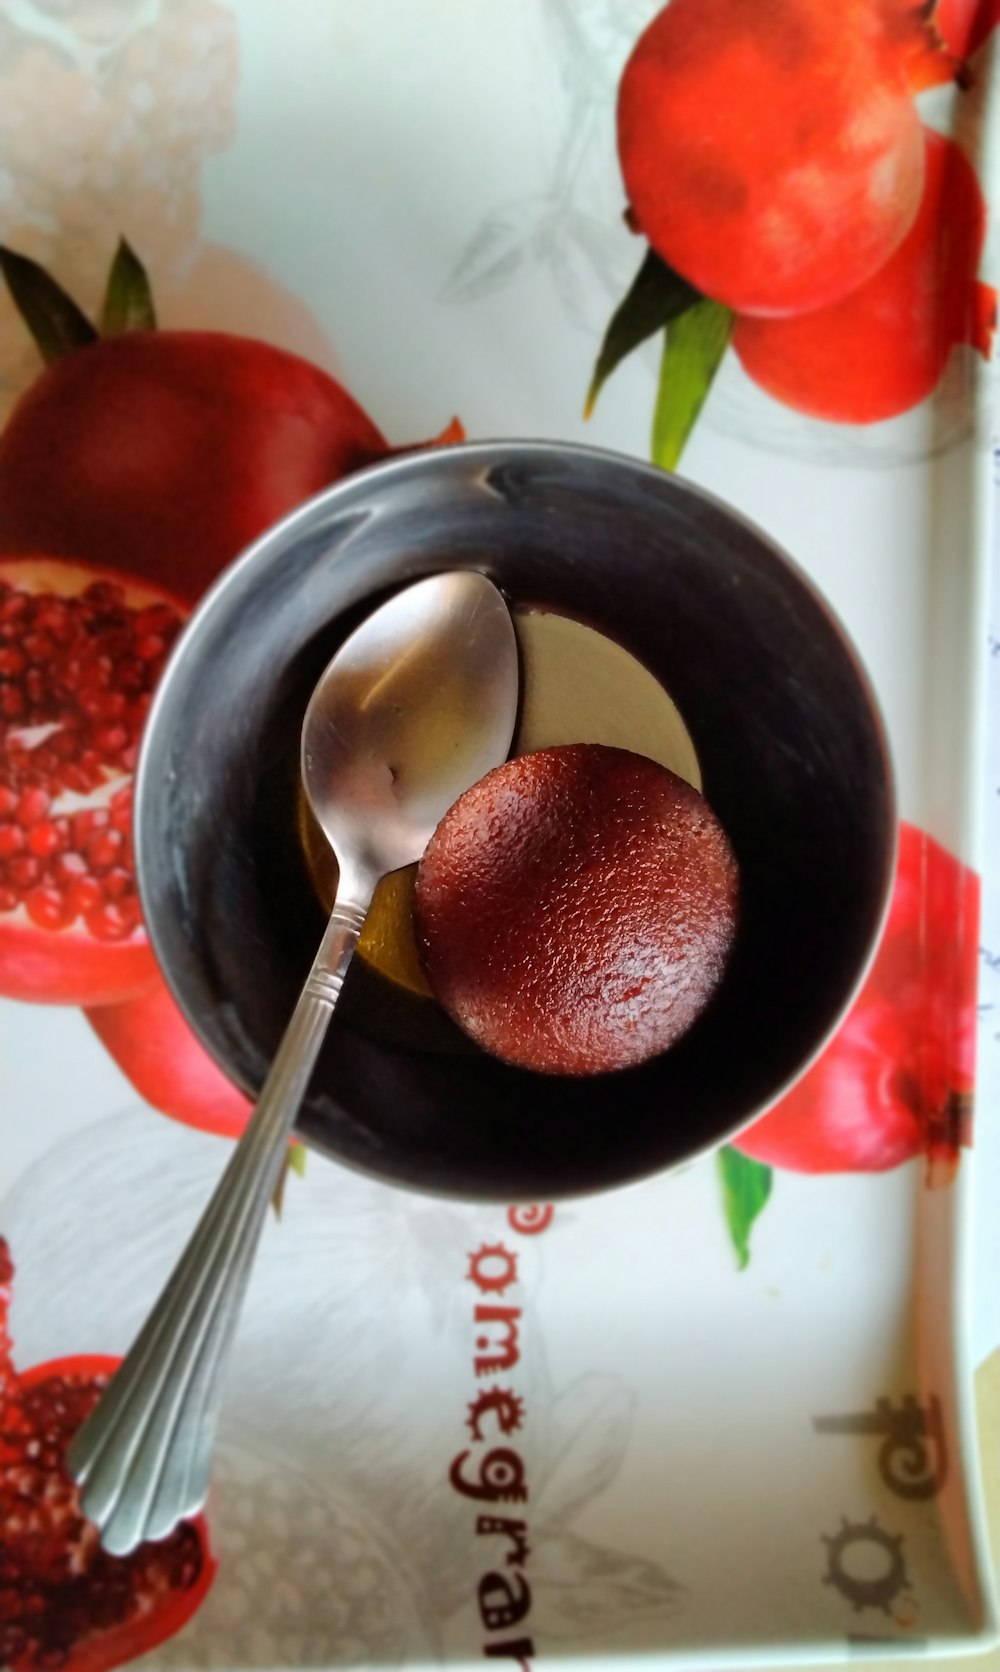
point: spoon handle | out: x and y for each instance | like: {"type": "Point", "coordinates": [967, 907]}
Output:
{"type": "Point", "coordinates": [143, 1457]}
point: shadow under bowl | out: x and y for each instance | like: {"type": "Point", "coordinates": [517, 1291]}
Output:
{"type": "Point", "coordinates": [794, 762]}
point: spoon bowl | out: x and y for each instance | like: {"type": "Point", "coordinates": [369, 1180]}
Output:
{"type": "Point", "coordinates": [419, 703]}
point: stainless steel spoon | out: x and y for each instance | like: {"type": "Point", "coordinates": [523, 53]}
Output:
{"type": "Point", "coordinates": [417, 705]}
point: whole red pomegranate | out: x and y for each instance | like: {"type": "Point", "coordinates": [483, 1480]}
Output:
{"type": "Point", "coordinates": [165, 453]}
{"type": "Point", "coordinates": [897, 1080]}
{"type": "Point", "coordinates": [155, 1048]}
{"type": "Point", "coordinates": [80, 652]}
{"type": "Point", "coordinates": [64, 1602]}
{"type": "Point", "coordinates": [954, 30]}
{"type": "Point", "coordinates": [881, 350]}
{"type": "Point", "coordinates": [771, 152]}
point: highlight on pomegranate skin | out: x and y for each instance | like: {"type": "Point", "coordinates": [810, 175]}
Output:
{"type": "Point", "coordinates": [884, 348]}
{"type": "Point", "coordinates": [771, 152]}
{"type": "Point", "coordinates": [576, 908]}
{"type": "Point", "coordinates": [80, 655]}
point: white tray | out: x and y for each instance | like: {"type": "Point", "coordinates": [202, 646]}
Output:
{"type": "Point", "coordinates": [424, 198]}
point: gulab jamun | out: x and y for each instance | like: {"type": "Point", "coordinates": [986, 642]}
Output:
{"type": "Point", "coordinates": [575, 909]}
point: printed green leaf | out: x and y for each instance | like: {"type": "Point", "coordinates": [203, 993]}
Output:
{"type": "Point", "coordinates": [53, 318]}
{"type": "Point", "coordinates": [128, 300]}
{"type": "Point", "coordinates": [746, 1187]}
{"type": "Point", "coordinates": [695, 343]}
{"type": "Point", "coordinates": [657, 295]}
{"type": "Point", "coordinates": [294, 1162]}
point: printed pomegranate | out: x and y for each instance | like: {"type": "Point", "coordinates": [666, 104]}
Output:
{"type": "Point", "coordinates": [575, 909]}
{"type": "Point", "coordinates": [155, 1048]}
{"type": "Point", "coordinates": [164, 453]}
{"type": "Point", "coordinates": [771, 153]}
{"type": "Point", "coordinates": [80, 654]}
{"type": "Point", "coordinates": [879, 351]}
{"type": "Point", "coordinates": [64, 1602]}
{"type": "Point", "coordinates": [954, 31]}
{"type": "Point", "coordinates": [897, 1080]}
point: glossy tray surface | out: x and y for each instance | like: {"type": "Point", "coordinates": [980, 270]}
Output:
{"type": "Point", "coordinates": [724, 1416]}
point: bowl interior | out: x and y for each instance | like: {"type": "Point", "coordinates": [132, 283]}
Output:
{"type": "Point", "coordinates": [793, 760]}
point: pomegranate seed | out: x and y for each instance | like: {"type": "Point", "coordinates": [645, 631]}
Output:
{"type": "Point", "coordinates": [84, 823]}
{"type": "Point", "coordinates": [38, 647]}
{"type": "Point", "coordinates": [48, 909]}
{"type": "Point", "coordinates": [83, 894]}
{"type": "Point", "coordinates": [9, 899]}
{"type": "Point", "coordinates": [8, 801]}
{"type": "Point", "coordinates": [111, 740]}
{"type": "Point", "coordinates": [131, 675]}
{"type": "Point", "coordinates": [116, 884]}
{"type": "Point", "coordinates": [11, 662]}
{"type": "Point", "coordinates": [97, 674]}
{"type": "Point", "coordinates": [104, 849]}
{"type": "Point", "coordinates": [35, 684]}
{"type": "Point", "coordinates": [113, 921]}
{"type": "Point", "coordinates": [90, 764]}
{"type": "Point", "coordinates": [111, 705]}
{"type": "Point", "coordinates": [54, 617]}
{"type": "Point", "coordinates": [24, 871]}
{"type": "Point", "coordinates": [74, 779]}
{"type": "Point", "coordinates": [122, 797]}
{"type": "Point", "coordinates": [69, 867]}
{"type": "Point", "coordinates": [44, 840]}
{"type": "Point", "coordinates": [129, 757]}
{"type": "Point", "coordinates": [121, 819]}
{"type": "Point", "coordinates": [105, 593]}
{"type": "Point", "coordinates": [13, 607]}
{"type": "Point", "coordinates": [155, 618]}
{"type": "Point", "coordinates": [64, 745]}
{"type": "Point", "coordinates": [11, 840]}
{"type": "Point", "coordinates": [150, 647]}
{"type": "Point", "coordinates": [12, 702]}
{"type": "Point", "coordinates": [32, 807]}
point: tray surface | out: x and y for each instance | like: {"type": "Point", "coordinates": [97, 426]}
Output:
{"type": "Point", "coordinates": [725, 1416]}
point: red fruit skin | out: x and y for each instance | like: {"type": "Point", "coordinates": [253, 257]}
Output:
{"type": "Point", "coordinates": [118, 1643]}
{"type": "Point", "coordinates": [69, 965]}
{"type": "Point", "coordinates": [883, 349]}
{"type": "Point", "coordinates": [771, 152]}
{"type": "Point", "coordinates": [165, 453]}
{"type": "Point", "coordinates": [897, 1080]}
{"type": "Point", "coordinates": [38, 970]}
{"type": "Point", "coordinates": [157, 1051]}
{"type": "Point", "coordinates": [965, 24]}
{"type": "Point", "coordinates": [955, 30]}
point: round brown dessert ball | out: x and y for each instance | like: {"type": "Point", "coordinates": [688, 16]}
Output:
{"type": "Point", "coordinates": [575, 909]}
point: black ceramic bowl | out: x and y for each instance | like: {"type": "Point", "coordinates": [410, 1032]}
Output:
{"type": "Point", "coordinates": [794, 762]}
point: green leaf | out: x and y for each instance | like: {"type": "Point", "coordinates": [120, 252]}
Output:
{"type": "Point", "coordinates": [294, 1162]}
{"type": "Point", "coordinates": [695, 343]}
{"type": "Point", "coordinates": [746, 1187]}
{"type": "Point", "coordinates": [53, 318]}
{"type": "Point", "coordinates": [128, 300]}
{"type": "Point", "coordinates": [658, 295]}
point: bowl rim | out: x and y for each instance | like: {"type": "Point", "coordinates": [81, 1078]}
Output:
{"type": "Point", "coordinates": [299, 523]}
